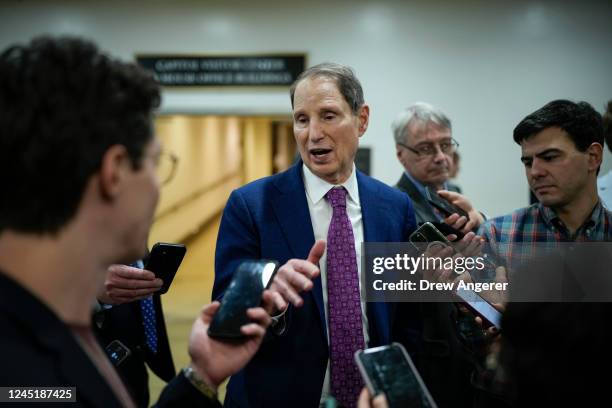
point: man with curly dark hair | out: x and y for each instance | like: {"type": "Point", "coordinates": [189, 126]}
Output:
{"type": "Point", "coordinates": [78, 170]}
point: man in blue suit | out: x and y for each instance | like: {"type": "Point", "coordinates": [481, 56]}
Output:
{"type": "Point", "coordinates": [308, 353]}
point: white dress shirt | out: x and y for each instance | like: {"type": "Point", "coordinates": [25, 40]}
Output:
{"type": "Point", "coordinates": [320, 216]}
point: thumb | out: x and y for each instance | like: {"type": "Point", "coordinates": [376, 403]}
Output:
{"type": "Point", "coordinates": [316, 252]}
{"type": "Point", "coordinates": [209, 311]}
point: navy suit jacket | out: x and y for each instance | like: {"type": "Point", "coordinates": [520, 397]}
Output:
{"type": "Point", "coordinates": [269, 219]}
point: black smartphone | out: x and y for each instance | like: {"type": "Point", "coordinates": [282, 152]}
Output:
{"type": "Point", "coordinates": [445, 207]}
{"type": "Point", "coordinates": [447, 230]}
{"type": "Point", "coordinates": [164, 261]}
{"type": "Point", "coordinates": [425, 235]}
{"type": "Point", "coordinates": [251, 278]}
{"type": "Point", "coordinates": [117, 352]}
{"type": "Point", "coordinates": [389, 369]}
{"type": "Point", "coordinates": [480, 307]}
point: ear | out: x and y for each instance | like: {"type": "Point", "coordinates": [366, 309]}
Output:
{"type": "Point", "coordinates": [595, 152]}
{"type": "Point", "coordinates": [114, 167]}
{"type": "Point", "coordinates": [364, 118]}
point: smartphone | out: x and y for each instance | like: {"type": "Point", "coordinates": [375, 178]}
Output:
{"type": "Point", "coordinates": [480, 307]}
{"type": "Point", "coordinates": [389, 369]}
{"type": "Point", "coordinates": [443, 205]}
{"type": "Point", "coordinates": [251, 278]}
{"type": "Point", "coordinates": [425, 235]}
{"type": "Point", "coordinates": [164, 261]}
{"type": "Point", "coordinates": [117, 352]}
{"type": "Point", "coordinates": [447, 230]}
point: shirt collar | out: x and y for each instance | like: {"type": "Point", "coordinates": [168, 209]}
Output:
{"type": "Point", "coordinates": [421, 187]}
{"type": "Point", "coordinates": [316, 188]}
{"type": "Point", "coordinates": [551, 218]}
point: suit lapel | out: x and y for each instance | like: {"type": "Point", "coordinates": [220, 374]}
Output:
{"type": "Point", "coordinates": [291, 209]}
{"type": "Point", "coordinates": [374, 213]}
{"type": "Point", "coordinates": [423, 210]}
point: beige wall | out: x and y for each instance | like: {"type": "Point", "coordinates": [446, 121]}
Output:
{"type": "Point", "coordinates": [216, 155]}
{"type": "Point", "coordinates": [209, 167]}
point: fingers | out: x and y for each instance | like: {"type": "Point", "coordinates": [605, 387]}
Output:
{"type": "Point", "coordinates": [501, 275]}
{"type": "Point", "coordinates": [209, 311]}
{"type": "Point", "coordinates": [131, 294]}
{"type": "Point", "coordinates": [273, 302]}
{"type": "Point", "coordinates": [380, 401]}
{"type": "Point", "coordinates": [471, 244]}
{"type": "Point", "coordinates": [449, 196]}
{"type": "Point", "coordinates": [129, 272]}
{"type": "Point", "coordinates": [259, 316]}
{"type": "Point", "coordinates": [288, 293]}
{"type": "Point", "coordinates": [261, 320]}
{"type": "Point", "coordinates": [364, 399]}
{"type": "Point", "coordinates": [316, 252]}
{"type": "Point", "coordinates": [126, 277]}
{"type": "Point", "coordinates": [295, 276]}
{"type": "Point", "coordinates": [458, 222]}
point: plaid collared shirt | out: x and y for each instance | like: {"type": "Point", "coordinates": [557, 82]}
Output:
{"type": "Point", "coordinates": [513, 238]}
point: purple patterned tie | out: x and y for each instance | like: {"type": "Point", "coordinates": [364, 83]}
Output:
{"type": "Point", "coordinates": [343, 300]}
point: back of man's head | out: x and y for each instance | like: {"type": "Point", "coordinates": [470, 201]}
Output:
{"type": "Point", "coordinates": [343, 76]}
{"type": "Point", "coordinates": [582, 123]}
{"type": "Point", "coordinates": [420, 115]}
{"type": "Point", "coordinates": [607, 125]}
{"type": "Point", "coordinates": [62, 105]}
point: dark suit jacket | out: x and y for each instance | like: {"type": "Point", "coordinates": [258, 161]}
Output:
{"type": "Point", "coordinates": [269, 218]}
{"type": "Point", "coordinates": [422, 209]}
{"type": "Point", "coordinates": [444, 363]}
{"type": "Point", "coordinates": [38, 349]}
{"type": "Point", "coordinates": [124, 323]}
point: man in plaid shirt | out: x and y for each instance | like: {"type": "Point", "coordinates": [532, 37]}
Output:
{"type": "Point", "coordinates": [562, 150]}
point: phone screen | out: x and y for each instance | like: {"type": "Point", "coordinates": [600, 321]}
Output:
{"type": "Point", "coordinates": [481, 307]}
{"type": "Point", "coordinates": [244, 292]}
{"type": "Point", "coordinates": [388, 369]}
{"type": "Point", "coordinates": [117, 352]}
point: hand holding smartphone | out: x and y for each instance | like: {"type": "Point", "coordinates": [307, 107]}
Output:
{"type": "Point", "coordinates": [164, 261]}
{"type": "Point", "coordinates": [426, 234]}
{"type": "Point", "coordinates": [445, 207]}
{"type": "Point", "coordinates": [389, 369]}
{"type": "Point", "coordinates": [245, 291]}
{"type": "Point", "coordinates": [480, 307]}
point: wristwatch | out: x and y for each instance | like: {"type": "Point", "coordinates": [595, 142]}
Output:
{"type": "Point", "coordinates": [199, 383]}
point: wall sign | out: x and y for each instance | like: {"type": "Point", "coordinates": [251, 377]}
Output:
{"type": "Point", "coordinates": [255, 70]}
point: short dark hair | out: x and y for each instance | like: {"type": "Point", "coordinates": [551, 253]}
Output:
{"type": "Point", "coordinates": [62, 105]}
{"type": "Point", "coordinates": [582, 123]}
{"type": "Point", "coordinates": [344, 77]}
{"type": "Point", "coordinates": [607, 125]}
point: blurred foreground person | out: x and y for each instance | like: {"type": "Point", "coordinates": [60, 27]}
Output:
{"type": "Point", "coordinates": [78, 168]}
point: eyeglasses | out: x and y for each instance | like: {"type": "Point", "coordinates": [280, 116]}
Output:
{"type": "Point", "coordinates": [429, 150]}
{"type": "Point", "coordinates": [166, 164]}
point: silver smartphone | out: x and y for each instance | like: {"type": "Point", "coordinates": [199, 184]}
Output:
{"type": "Point", "coordinates": [389, 370]}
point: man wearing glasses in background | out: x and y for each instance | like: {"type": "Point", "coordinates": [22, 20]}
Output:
{"type": "Point", "coordinates": [425, 147]}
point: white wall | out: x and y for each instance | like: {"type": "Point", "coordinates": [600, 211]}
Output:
{"type": "Point", "coordinates": [486, 63]}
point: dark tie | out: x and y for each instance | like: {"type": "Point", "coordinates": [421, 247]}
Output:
{"type": "Point", "coordinates": [148, 318]}
{"type": "Point", "coordinates": [343, 300]}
